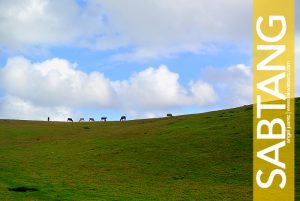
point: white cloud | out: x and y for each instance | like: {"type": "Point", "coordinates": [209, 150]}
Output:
{"type": "Point", "coordinates": [56, 83]}
{"type": "Point", "coordinates": [165, 27]}
{"type": "Point", "coordinates": [202, 92]}
{"type": "Point", "coordinates": [151, 88]}
{"type": "Point", "coordinates": [233, 84]}
{"type": "Point", "coordinates": [12, 107]}
{"type": "Point", "coordinates": [46, 22]}
{"type": "Point", "coordinates": [160, 88]}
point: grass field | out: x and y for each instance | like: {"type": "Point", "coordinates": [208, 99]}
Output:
{"type": "Point", "coordinates": [193, 157]}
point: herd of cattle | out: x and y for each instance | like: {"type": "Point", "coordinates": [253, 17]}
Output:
{"type": "Point", "coordinates": [123, 118]}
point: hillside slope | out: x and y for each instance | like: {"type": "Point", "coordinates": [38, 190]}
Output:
{"type": "Point", "coordinates": [193, 157]}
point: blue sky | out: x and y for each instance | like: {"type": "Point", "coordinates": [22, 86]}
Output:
{"type": "Point", "coordinates": [93, 58]}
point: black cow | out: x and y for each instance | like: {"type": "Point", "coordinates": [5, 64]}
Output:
{"type": "Point", "coordinates": [103, 118]}
{"type": "Point", "coordinates": [70, 119]}
{"type": "Point", "coordinates": [169, 115]}
{"type": "Point", "coordinates": [123, 118]}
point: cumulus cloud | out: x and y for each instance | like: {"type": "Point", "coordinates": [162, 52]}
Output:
{"type": "Point", "coordinates": [57, 87]}
{"type": "Point", "coordinates": [233, 84]}
{"type": "Point", "coordinates": [45, 22]}
{"type": "Point", "coordinates": [56, 83]}
{"type": "Point", "coordinates": [12, 107]}
{"type": "Point", "coordinates": [141, 88]}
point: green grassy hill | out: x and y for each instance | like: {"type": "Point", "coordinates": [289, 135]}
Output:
{"type": "Point", "coordinates": [193, 157]}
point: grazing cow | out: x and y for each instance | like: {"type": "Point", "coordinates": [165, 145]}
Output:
{"type": "Point", "coordinates": [92, 119]}
{"type": "Point", "coordinates": [103, 118]}
{"type": "Point", "coordinates": [81, 119]}
{"type": "Point", "coordinates": [123, 118]}
{"type": "Point", "coordinates": [169, 115]}
{"type": "Point", "coordinates": [70, 119]}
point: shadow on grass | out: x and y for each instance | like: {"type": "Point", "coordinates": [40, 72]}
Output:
{"type": "Point", "coordinates": [23, 189]}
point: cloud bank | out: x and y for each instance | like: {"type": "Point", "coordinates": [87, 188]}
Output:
{"type": "Point", "coordinates": [56, 83]}
{"type": "Point", "coordinates": [152, 29]}
{"type": "Point", "coordinates": [163, 27]}
{"type": "Point", "coordinates": [57, 88]}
